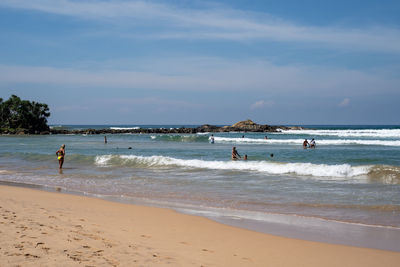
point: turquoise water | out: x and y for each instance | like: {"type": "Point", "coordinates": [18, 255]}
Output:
{"type": "Point", "coordinates": [352, 176]}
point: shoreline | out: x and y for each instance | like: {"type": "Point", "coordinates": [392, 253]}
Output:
{"type": "Point", "coordinates": [42, 227]}
{"type": "Point", "coordinates": [277, 224]}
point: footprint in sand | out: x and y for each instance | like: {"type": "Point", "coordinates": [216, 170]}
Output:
{"type": "Point", "coordinates": [28, 255]}
{"type": "Point", "coordinates": [38, 244]}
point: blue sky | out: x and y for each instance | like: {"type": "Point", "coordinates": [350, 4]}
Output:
{"type": "Point", "coordinates": [195, 62]}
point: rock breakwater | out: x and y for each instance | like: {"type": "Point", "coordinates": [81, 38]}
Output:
{"type": "Point", "coordinates": [242, 126]}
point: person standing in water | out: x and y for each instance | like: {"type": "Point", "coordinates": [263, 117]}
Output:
{"type": "Point", "coordinates": [305, 143]}
{"type": "Point", "coordinates": [235, 154]}
{"type": "Point", "coordinates": [312, 143]}
{"type": "Point", "coordinates": [60, 155]}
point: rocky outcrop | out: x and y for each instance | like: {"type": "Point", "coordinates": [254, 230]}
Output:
{"type": "Point", "coordinates": [242, 126]}
{"type": "Point", "coordinates": [250, 126]}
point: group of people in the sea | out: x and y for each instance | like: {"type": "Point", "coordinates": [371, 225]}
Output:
{"type": "Point", "coordinates": [310, 144]}
{"type": "Point", "coordinates": [236, 155]}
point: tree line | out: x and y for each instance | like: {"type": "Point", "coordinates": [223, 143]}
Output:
{"type": "Point", "coordinates": [17, 116]}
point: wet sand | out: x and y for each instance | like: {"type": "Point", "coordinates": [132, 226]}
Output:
{"type": "Point", "coordinates": [39, 228]}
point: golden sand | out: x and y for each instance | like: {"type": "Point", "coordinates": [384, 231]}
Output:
{"type": "Point", "coordinates": [40, 228]}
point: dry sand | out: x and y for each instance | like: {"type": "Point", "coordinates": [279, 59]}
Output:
{"type": "Point", "coordinates": [40, 228]}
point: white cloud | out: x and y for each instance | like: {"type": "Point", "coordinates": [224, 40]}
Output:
{"type": "Point", "coordinates": [261, 104]}
{"type": "Point", "coordinates": [207, 74]}
{"type": "Point", "coordinates": [345, 102]}
{"type": "Point", "coordinates": [215, 22]}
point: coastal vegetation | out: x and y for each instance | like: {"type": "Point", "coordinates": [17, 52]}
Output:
{"type": "Point", "coordinates": [19, 116]}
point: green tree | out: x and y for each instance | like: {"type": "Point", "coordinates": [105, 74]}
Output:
{"type": "Point", "coordinates": [23, 114]}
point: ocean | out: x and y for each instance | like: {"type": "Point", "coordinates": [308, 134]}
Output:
{"type": "Point", "coordinates": [345, 191]}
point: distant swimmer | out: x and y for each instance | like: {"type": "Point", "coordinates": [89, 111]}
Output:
{"type": "Point", "coordinates": [312, 143]}
{"type": "Point", "coordinates": [272, 155]}
{"type": "Point", "coordinates": [105, 139]}
{"type": "Point", "coordinates": [265, 137]}
{"type": "Point", "coordinates": [60, 155]}
{"type": "Point", "coordinates": [242, 136]}
{"type": "Point", "coordinates": [305, 143]}
{"type": "Point", "coordinates": [245, 157]}
{"type": "Point", "coordinates": [235, 154]}
{"type": "Point", "coordinates": [212, 139]}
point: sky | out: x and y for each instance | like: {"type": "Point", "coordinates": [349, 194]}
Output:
{"type": "Point", "coordinates": [195, 62]}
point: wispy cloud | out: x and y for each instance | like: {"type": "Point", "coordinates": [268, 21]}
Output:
{"type": "Point", "coordinates": [345, 102]}
{"type": "Point", "coordinates": [208, 75]}
{"type": "Point", "coordinates": [156, 104]}
{"type": "Point", "coordinates": [214, 22]}
{"type": "Point", "coordinates": [261, 104]}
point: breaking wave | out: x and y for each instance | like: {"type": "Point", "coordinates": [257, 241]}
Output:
{"type": "Point", "coordinates": [302, 169]}
{"type": "Point", "coordinates": [377, 133]}
{"type": "Point", "coordinates": [124, 128]}
{"type": "Point", "coordinates": [300, 141]}
{"type": "Point", "coordinates": [180, 138]}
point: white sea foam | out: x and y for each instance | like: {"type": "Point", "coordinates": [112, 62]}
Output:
{"type": "Point", "coordinates": [304, 169]}
{"type": "Point", "coordinates": [300, 141]}
{"type": "Point", "coordinates": [124, 128]}
{"type": "Point", "coordinates": [103, 160]}
{"type": "Point", "coordinates": [377, 133]}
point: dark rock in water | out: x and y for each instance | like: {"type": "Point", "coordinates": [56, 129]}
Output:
{"type": "Point", "coordinates": [245, 124]}
{"type": "Point", "coordinates": [295, 128]}
{"type": "Point", "coordinates": [21, 131]}
{"type": "Point", "coordinates": [250, 126]}
{"type": "Point", "coordinates": [207, 128]}
{"type": "Point", "coordinates": [241, 126]}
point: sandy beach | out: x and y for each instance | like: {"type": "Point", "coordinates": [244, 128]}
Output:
{"type": "Point", "coordinates": [41, 228]}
